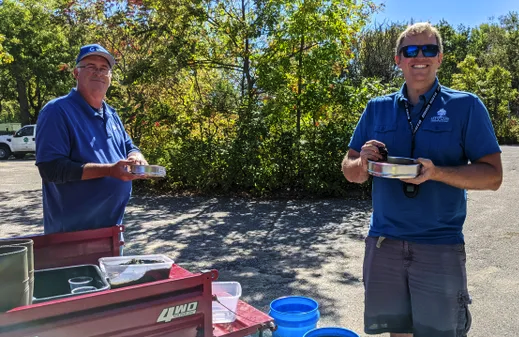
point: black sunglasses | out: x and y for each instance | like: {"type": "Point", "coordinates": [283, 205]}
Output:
{"type": "Point", "coordinates": [428, 50]}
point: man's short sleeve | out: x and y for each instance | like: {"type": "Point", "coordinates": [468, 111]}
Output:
{"type": "Point", "coordinates": [360, 135]}
{"type": "Point", "coordinates": [480, 139]}
{"type": "Point", "coordinates": [52, 135]}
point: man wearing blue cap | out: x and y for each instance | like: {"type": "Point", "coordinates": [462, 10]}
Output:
{"type": "Point", "coordinates": [83, 150]}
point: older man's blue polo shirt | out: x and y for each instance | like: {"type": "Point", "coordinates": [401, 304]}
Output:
{"type": "Point", "coordinates": [69, 128]}
{"type": "Point", "coordinates": [456, 130]}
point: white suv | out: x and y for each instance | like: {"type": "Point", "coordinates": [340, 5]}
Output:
{"type": "Point", "coordinates": [19, 144]}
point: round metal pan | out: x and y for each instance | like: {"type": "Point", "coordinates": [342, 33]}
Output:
{"type": "Point", "coordinates": [150, 171]}
{"type": "Point", "coordinates": [394, 167]}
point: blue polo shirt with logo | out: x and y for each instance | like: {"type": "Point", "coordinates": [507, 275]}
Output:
{"type": "Point", "coordinates": [70, 129]}
{"type": "Point", "coordinates": [456, 130]}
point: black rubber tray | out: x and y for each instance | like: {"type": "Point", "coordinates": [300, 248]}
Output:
{"type": "Point", "coordinates": [51, 284]}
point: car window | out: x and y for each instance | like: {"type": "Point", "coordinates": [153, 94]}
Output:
{"type": "Point", "coordinates": [28, 131]}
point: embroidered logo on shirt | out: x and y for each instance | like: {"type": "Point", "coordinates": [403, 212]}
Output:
{"type": "Point", "coordinates": [441, 118]}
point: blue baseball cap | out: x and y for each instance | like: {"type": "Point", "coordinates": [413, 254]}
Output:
{"type": "Point", "coordinates": [95, 49]}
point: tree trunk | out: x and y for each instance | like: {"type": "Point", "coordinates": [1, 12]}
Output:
{"type": "Point", "coordinates": [300, 87]}
{"type": "Point", "coordinates": [299, 108]}
{"type": "Point", "coordinates": [39, 101]}
{"type": "Point", "coordinates": [246, 60]}
{"type": "Point", "coordinates": [25, 115]}
{"type": "Point", "coordinates": [497, 118]}
{"type": "Point", "coordinates": [246, 69]}
{"type": "Point", "coordinates": [35, 102]}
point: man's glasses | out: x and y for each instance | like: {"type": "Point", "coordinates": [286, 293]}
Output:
{"type": "Point", "coordinates": [93, 69]}
{"type": "Point", "coordinates": [428, 50]}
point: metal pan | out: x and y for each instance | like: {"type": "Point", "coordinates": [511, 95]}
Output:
{"type": "Point", "coordinates": [149, 171]}
{"type": "Point", "coordinates": [395, 167]}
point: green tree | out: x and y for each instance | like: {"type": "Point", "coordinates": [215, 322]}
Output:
{"type": "Point", "coordinates": [6, 92]}
{"type": "Point", "coordinates": [455, 49]}
{"type": "Point", "coordinates": [494, 86]}
{"type": "Point", "coordinates": [510, 23]}
{"type": "Point", "coordinates": [471, 77]}
{"type": "Point", "coordinates": [39, 53]}
{"type": "Point", "coordinates": [375, 51]}
{"type": "Point", "coordinates": [4, 56]}
{"type": "Point", "coordinates": [498, 94]}
{"type": "Point", "coordinates": [487, 44]}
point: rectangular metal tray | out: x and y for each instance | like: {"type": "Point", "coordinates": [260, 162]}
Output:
{"type": "Point", "coordinates": [51, 284]}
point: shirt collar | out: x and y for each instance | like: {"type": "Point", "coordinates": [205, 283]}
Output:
{"type": "Point", "coordinates": [402, 93]}
{"type": "Point", "coordinates": [76, 96]}
{"type": "Point", "coordinates": [98, 112]}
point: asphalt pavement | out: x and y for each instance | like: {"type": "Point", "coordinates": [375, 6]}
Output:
{"type": "Point", "coordinates": [297, 247]}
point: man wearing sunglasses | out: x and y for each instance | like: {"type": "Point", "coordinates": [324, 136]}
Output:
{"type": "Point", "coordinates": [414, 265]}
{"type": "Point", "coordinates": [83, 150]}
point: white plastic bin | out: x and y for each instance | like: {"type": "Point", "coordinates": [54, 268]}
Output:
{"type": "Point", "coordinates": [228, 293]}
{"type": "Point", "coordinates": [119, 273]}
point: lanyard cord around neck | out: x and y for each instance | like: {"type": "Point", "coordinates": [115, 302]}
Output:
{"type": "Point", "coordinates": [425, 110]}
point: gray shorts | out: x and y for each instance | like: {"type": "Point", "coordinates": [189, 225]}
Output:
{"type": "Point", "coordinates": [415, 288]}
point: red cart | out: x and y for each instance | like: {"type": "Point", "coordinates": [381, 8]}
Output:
{"type": "Point", "coordinates": [180, 306]}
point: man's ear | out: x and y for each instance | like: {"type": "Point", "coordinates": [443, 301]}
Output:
{"type": "Point", "coordinates": [440, 58]}
{"type": "Point", "coordinates": [397, 60]}
{"type": "Point", "coordinates": [75, 73]}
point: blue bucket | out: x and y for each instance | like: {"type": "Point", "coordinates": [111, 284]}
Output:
{"type": "Point", "coordinates": [331, 332]}
{"type": "Point", "coordinates": [294, 315]}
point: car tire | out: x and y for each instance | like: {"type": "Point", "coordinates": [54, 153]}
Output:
{"type": "Point", "coordinates": [5, 152]}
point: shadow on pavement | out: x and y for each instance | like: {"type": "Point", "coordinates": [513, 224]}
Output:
{"type": "Point", "coordinates": [21, 209]}
{"type": "Point", "coordinates": [265, 245]}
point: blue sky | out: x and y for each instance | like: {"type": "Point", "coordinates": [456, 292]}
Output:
{"type": "Point", "coordinates": [468, 12]}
